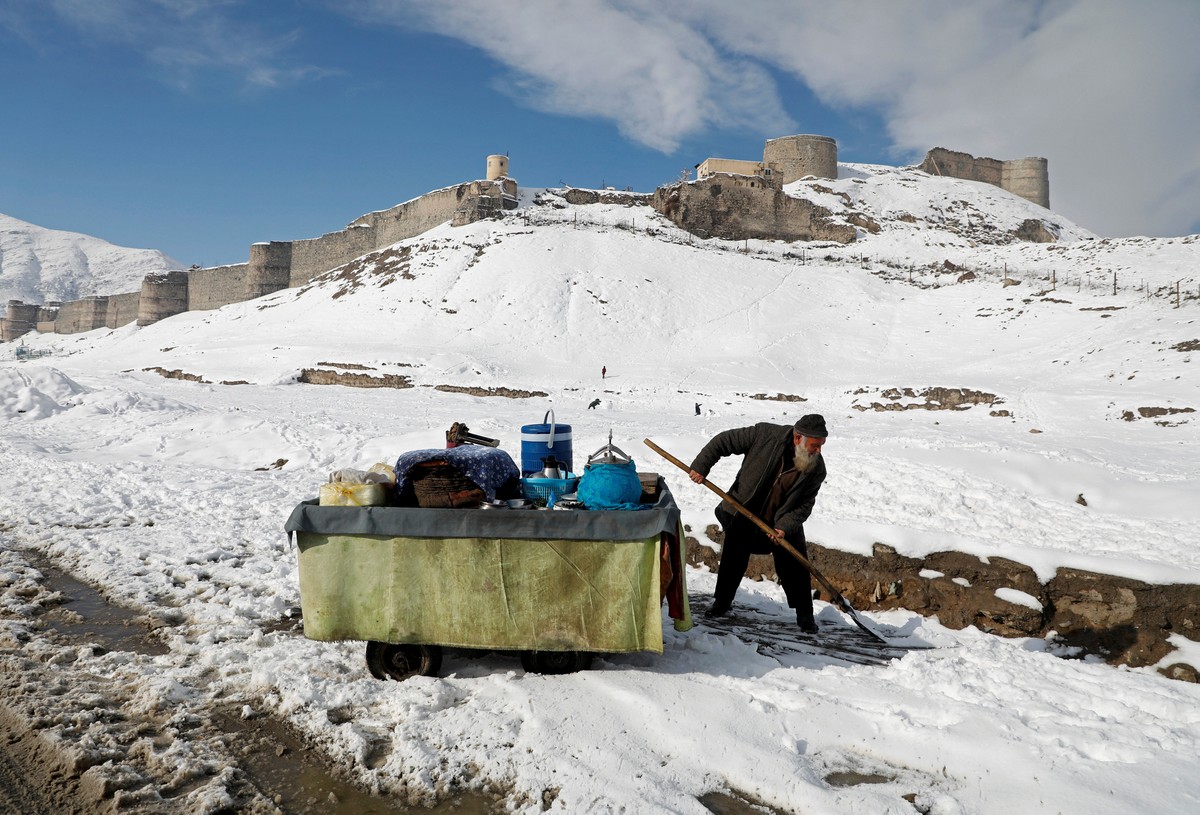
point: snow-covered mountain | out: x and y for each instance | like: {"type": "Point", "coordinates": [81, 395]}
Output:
{"type": "Point", "coordinates": [38, 265]}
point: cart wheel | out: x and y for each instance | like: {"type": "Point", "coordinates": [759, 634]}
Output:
{"type": "Point", "coordinates": [555, 662]}
{"type": "Point", "coordinates": [388, 661]}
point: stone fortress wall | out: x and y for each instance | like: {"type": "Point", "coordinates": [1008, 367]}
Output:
{"type": "Point", "coordinates": [731, 198]}
{"type": "Point", "coordinates": [736, 199]}
{"type": "Point", "coordinates": [1027, 177]}
{"type": "Point", "coordinates": [785, 159]}
{"type": "Point", "coordinates": [20, 318]}
{"type": "Point", "coordinates": [215, 287]}
{"type": "Point", "coordinates": [272, 265]}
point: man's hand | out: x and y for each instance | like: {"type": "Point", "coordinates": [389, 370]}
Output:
{"type": "Point", "coordinates": [695, 476]}
{"type": "Point", "coordinates": [777, 537]}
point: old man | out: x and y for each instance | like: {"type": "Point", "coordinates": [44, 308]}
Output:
{"type": "Point", "coordinates": [782, 471]}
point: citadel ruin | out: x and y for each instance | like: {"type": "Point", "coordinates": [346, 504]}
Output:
{"type": "Point", "coordinates": [732, 199]}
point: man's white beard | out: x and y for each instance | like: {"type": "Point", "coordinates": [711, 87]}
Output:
{"type": "Point", "coordinates": [803, 460]}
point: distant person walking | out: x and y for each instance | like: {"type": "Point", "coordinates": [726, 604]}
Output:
{"type": "Point", "coordinates": [697, 408]}
{"type": "Point", "coordinates": [603, 371]}
{"type": "Point", "coordinates": [595, 404]}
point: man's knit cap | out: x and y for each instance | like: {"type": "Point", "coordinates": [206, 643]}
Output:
{"type": "Point", "coordinates": [812, 425]}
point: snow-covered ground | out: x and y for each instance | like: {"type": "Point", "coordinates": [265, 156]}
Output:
{"type": "Point", "coordinates": [162, 493]}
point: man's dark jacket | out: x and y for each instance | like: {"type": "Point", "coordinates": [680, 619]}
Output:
{"type": "Point", "coordinates": [763, 446]}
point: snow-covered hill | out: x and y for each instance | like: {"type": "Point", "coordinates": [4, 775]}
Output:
{"type": "Point", "coordinates": [925, 221]}
{"type": "Point", "coordinates": [540, 300]}
{"type": "Point", "coordinates": [159, 463]}
{"type": "Point", "coordinates": [914, 208]}
{"type": "Point", "coordinates": [38, 265]}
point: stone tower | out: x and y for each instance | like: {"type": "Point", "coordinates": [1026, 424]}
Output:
{"type": "Point", "coordinates": [794, 157]}
{"type": "Point", "coordinates": [164, 294]}
{"type": "Point", "coordinates": [21, 319]}
{"type": "Point", "coordinates": [497, 167]}
{"type": "Point", "coordinates": [269, 269]}
{"type": "Point", "coordinates": [1027, 177]}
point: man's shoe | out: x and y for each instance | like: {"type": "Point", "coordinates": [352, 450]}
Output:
{"type": "Point", "coordinates": [807, 624]}
{"type": "Point", "coordinates": [716, 611]}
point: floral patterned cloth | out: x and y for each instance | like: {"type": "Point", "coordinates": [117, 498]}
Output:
{"type": "Point", "coordinates": [488, 467]}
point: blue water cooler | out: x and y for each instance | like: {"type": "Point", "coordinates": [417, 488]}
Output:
{"type": "Point", "coordinates": [546, 439]}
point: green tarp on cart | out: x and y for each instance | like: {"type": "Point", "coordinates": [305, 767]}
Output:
{"type": "Point", "coordinates": [494, 579]}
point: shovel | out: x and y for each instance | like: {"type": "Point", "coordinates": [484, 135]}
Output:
{"type": "Point", "coordinates": [838, 599]}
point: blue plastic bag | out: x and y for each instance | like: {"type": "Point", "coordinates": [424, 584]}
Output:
{"type": "Point", "coordinates": [611, 486]}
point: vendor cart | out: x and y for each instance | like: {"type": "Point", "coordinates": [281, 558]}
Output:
{"type": "Point", "coordinates": [555, 585]}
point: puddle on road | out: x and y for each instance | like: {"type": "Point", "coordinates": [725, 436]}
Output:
{"type": "Point", "coordinates": [849, 778]}
{"type": "Point", "coordinates": [275, 760]}
{"type": "Point", "coordinates": [112, 627]}
{"type": "Point", "coordinates": [720, 802]}
{"type": "Point", "coordinates": [731, 802]}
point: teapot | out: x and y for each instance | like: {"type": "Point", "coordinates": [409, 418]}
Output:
{"type": "Point", "coordinates": [551, 468]}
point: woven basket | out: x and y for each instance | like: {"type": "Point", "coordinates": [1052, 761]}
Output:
{"type": "Point", "coordinates": [439, 485]}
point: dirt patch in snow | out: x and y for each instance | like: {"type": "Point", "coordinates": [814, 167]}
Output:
{"type": "Point", "coordinates": [507, 393]}
{"type": "Point", "coordinates": [312, 376]}
{"type": "Point", "coordinates": [1156, 413]}
{"type": "Point", "coordinates": [779, 397]}
{"type": "Point", "coordinates": [930, 399]}
{"type": "Point", "coordinates": [183, 375]}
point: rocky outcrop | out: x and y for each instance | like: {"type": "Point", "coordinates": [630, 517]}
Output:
{"type": "Point", "coordinates": [728, 207]}
{"type": "Point", "coordinates": [311, 376]}
{"type": "Point", "coordinates": [936, 398]}
{"type": "Point", "coordinates": [625, 199]}
{"type": "Point", "coordinates": [507, 393]}
{"type": "Point", "coordinates": [1125, 621]}
{"type": "Point", "coordinates": [1036, 231]}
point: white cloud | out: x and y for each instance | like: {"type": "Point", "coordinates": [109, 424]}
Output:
{"type": "Point", "coordinates": [635, 63]}
{"type": "Point", "coordinates": [185, 37]}
{"type": "Point", "coordinates": [1106, 90]}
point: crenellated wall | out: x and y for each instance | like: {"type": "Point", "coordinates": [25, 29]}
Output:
{"type": "Point", "coordinates": [20, 318]}
{"type": "Point", "coordinates": [422, 214]}
{"type": "Point", "coordinates": [122, 309]}
{"type": "Point", "coordinates": [314, 256]}
{"type": "Point", "coordinates": [722, 205]}
{"type": "Point", "coordinates": [163, 295]}
{"type": "Point", "coordinates": [269, 269]}
{"type": "Point", "coordinates": [414, 217]}
{"type": "Point", "coordinates": [272, 265]}
{"type": "Point", "coordinates": [1027, 177]}
{"type": "Point", "coordinates": [215, 287]}
{"type": "Point", "coordinates": [77, 316]}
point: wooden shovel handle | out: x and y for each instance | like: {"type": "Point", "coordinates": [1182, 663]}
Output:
{"type": "Point", "coordinates": [833, 593]}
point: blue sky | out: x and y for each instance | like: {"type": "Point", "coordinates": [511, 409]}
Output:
{"type": "Point", "coordinates": [201, 126]}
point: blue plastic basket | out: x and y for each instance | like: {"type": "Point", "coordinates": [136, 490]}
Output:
{"type": "Point", "coordinates": [548, 489]}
